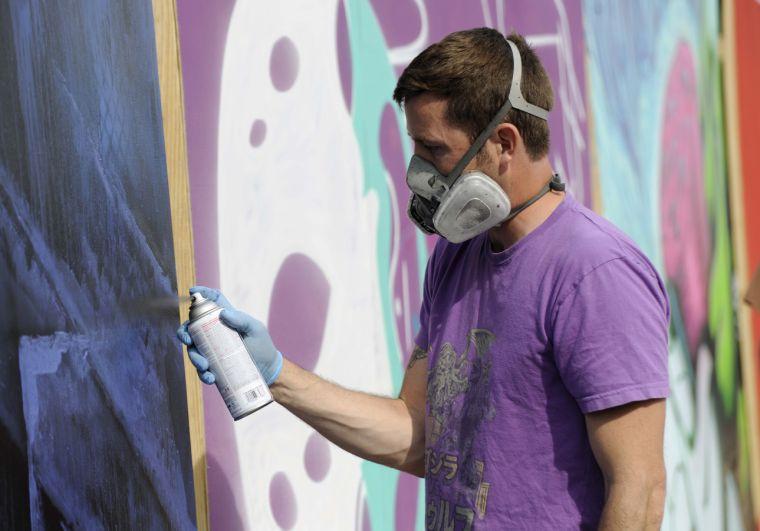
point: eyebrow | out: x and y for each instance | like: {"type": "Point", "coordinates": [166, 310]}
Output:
{"type": "Point", "coordinates": [427, 141]}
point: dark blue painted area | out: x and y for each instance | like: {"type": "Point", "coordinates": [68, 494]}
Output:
{"type": "Point", "coordinates": [113, 460]}
{"type": "Point", "coordinates": [93, 419]}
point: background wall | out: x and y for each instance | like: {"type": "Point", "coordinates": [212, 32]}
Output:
{"type": "Point", "coordinates": [657, 102]}
{"type": "Point", "coordinates": [93, 416]}
{"type": "Point", "coordinates": [297, 161]}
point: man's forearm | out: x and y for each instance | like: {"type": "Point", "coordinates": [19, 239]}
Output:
{"type": "Point", "coordinates": [633, 505]}
{"type": "Point", "coordinates": [379, 429]}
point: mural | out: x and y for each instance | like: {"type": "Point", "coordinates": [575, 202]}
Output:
{"type": "Point", "coordinates": [93, 420]}
{"type": "Point", "coordinates": [297, 162]}
{"type": "Point", "coordinates": [656, 97]}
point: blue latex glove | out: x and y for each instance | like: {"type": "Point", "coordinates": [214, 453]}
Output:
{"type": "Point", "coordinates": [255, 338]}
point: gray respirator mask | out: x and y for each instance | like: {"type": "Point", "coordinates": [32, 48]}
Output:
{"type": "Point", "coordinates": [459, 206]}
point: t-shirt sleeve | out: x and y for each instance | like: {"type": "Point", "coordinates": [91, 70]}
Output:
{"type": "Point", "coordinates": [421, 340]}
{"type": "Point", "coordinates": [610, 336]}
{"type": "Point", "coordinates": [428, 290]}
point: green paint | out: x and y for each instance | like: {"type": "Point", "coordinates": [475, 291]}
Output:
{"type": "Point", "coordinates": [721, 311]}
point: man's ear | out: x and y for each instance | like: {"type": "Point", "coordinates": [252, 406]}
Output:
{"type": "Point", "coordinates": [507, 137]}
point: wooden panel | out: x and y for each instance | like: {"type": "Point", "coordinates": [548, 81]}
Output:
{"type": "Point", "coordinates": [739, 237]}
{"type": "Point", "coordinates": [596, 186]}
{"type": "Point", "coordinates": [172, 106]}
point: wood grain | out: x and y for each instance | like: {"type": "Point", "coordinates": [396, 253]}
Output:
{"type": "Point", "coordinates": [597, 205]}
{"type": "Point", "coordinates": [172, 109]}
{"type": "Point", "coordinates": [739, 244]}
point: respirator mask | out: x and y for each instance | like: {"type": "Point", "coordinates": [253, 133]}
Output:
{"type": "Point", "coordinates": [459, 206]}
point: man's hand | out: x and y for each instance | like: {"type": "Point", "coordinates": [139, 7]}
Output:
{"type": "Point", "coordinates": [389, 431]}
{"type": "Point", "coordinates": [254, 334]}
{"type": "Point", "coordinates": [628, 445]}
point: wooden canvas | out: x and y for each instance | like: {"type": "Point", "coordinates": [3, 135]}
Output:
{"type": "Point", "coordinates": [170, 78]}
{"type": "Point", "coordinates": [747, 340]}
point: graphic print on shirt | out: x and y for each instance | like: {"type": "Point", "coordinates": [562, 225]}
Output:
{"type": "Point", "coordinates": [459, 403]}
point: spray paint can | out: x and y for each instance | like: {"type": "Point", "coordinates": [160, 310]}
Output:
{"type": "Point", "coordinates": [238, 379]}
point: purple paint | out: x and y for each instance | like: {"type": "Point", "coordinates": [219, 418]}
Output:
{"type": "Point", "coordinates": [407, 490]}
{"type": "Point", "coordinates": [400, 21]}
{"type": "Point", "coordinates": [366, 523]}
{"type": "Point", "coordinates": [298, 310]}
{"type": "Point", "coordinates": [283, 64]}
{"type": "Point", "coordinates": [406, 292]}
{"type": "Point", "coordinates": [316, 457]}
{"type": "Point", "coordinates": [258, 133]}
{"type": "Point", "coordinates": [343, 46]}
{"type": "Point", "coordinates": [390, 147]}
{"type": "Point", "coordinates": [282, 501]}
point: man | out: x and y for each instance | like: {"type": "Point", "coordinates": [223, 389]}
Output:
{"type": "Point", "coordinates": [534, 398]}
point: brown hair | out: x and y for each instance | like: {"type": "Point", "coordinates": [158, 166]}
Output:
{"type": "Point", "coordinates": [472, 69]}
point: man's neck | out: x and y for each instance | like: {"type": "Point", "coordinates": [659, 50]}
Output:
{"type": "Point", "coordinates": [510, 232]}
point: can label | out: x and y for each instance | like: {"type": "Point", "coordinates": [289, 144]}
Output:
{"type": "Point", "coordinates": [239, 381]}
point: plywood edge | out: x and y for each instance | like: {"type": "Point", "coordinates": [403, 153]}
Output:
{"type": "Point", "coordinates": [739, 244]}
{"type": "Point", "coordinates": [172, 110]}
{"type": "Point", "coordinates": [597, 205]}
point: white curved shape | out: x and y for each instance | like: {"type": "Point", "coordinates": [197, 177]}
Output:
{"type": "Point", "coordinates": [486, 9]}
{"type": "Point", "coordinates": [500, 16]}
{"type": "Point", "coordinates": [402, 55]}
{"type": "Point", "coordinates": [300, 191]}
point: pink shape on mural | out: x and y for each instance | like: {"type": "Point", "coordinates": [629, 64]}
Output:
{"type": "Point", "coordinates": [298, 310]}
{"type": "Point", "coordinates": [316, 457]}
{"type": "Point", "coordinates": [282, 501]}
{"type": "Point", "coordinates": [283, 64]}
{"type": "Point", "coordinates": [685, 232]}
{"type": "Point", "coordinates": [258, 133]}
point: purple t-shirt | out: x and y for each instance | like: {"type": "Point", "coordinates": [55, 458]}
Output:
{"type": "Point", "coordinates": [571, 319]}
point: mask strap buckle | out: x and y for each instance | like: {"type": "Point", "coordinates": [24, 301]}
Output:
{"type": "Point", "coordinates": [555, 185]}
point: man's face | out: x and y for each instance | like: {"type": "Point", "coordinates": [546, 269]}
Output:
{"type": "Point", "coordinates": [436, 140]}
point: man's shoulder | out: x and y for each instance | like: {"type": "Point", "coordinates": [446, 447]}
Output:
{"type": "Point", "coordinates": [586, 240]}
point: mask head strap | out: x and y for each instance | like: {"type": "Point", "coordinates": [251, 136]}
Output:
{"type": "Point", "coordinates": [515, 100]}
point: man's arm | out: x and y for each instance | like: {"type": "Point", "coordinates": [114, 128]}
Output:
{"type": "Point", "coordinates": [628, 445]}
{"type": "Point", "coordinates": [389, 431]}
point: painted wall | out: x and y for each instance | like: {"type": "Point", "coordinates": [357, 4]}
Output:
{"type": "Point", "coordinates": [657, 102]}
{"type": "Point", "coordinates": [93, 416]}
{"type": "Point", "coordinates": [297, 162]}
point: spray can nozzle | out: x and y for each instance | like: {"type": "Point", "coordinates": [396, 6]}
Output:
{"type": "Point", "coordinates": [200, 305]}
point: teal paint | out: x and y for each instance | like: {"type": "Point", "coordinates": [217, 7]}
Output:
{"type": "Point", "coordinates": [373, 81]}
